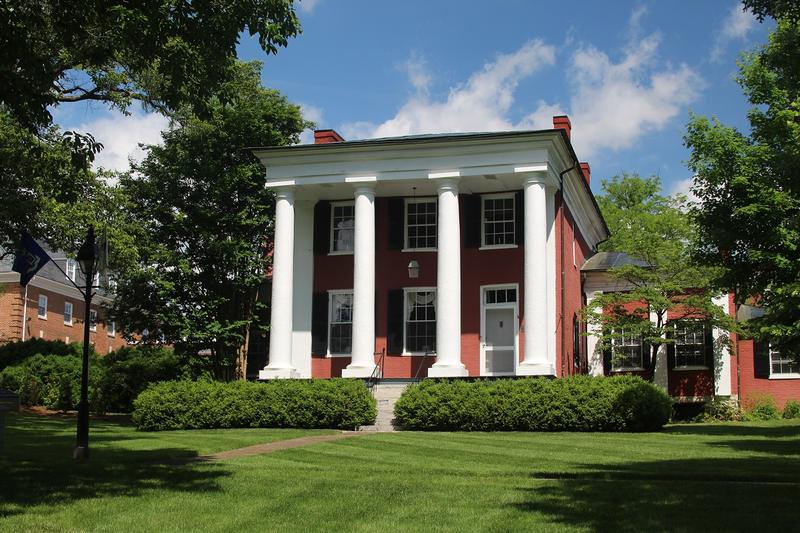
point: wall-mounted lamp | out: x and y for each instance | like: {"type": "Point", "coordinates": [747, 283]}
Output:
{"type": "Point", "coordinates": [413, 269]}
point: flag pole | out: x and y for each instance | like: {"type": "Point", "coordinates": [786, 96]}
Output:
{"type": "Point", "coordinates": [25, 313]}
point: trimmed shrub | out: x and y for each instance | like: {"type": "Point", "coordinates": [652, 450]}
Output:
{"type": "Point", "coordinates": [335, 403]}
{"type": "Point", "coordinates": [761, 407]}
{"type": "Point", "coordinates": [50, 380]}
{"type": "Point", "coordinates": [791, 409]}
{"type": "Point", "coordinates": [128, 371]}
{"type": "Point", "coordinates": [578, 403]}
{"type": "Point", "coordinates": [12, 353]}
{"type": "Point", "coordinates": [720, 409]}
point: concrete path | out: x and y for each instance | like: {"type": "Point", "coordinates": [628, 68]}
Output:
{"type": "Point", "coordinates": [270, 447]}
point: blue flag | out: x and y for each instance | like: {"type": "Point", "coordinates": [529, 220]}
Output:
{"type": "Point", "coordinates": [29, 260]}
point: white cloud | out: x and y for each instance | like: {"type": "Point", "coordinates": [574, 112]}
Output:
{"type": "Point", "coordinates": [314, 114]}
{"type": "Point", "coordinates": [684, 187]}
{"type": "Point", "coordinates": [611, 104]}
{"type": "Point", "coordinates": [307, 6]}
{"type": "Point", "coordinates": [416, 68]}
{"type": "Point", "coordinates": [121, 135]}
{"type": "Point", "coordinates": [736, 26]}
{"type": "Point", "coordinates": [480, 104]}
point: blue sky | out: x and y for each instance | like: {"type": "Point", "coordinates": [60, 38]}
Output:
{"type": "Point", "coordinates": [627, 73]}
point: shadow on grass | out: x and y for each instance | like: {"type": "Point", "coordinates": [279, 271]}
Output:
{"type": "Point", "coordinates": [37, 467]}
{"type": "Point", "coordinates": [773, 440]}
{"type": "Point", "coordinates": [708, 494]}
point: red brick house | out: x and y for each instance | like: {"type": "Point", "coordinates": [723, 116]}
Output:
{"type": "Point", "coordinates": [51, 308]}
{"type": "Point", "coordinates": [450, 255]}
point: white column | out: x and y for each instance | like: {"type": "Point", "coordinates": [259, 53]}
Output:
{"type": "Point", "coordinates": [448, 285]}
{"type": "Point", "coordinates": [363, 362]}
{"type": "Point", "coordinates": [280, 342]}
{"type": "Point", "coordinates": [722, 354]}
{"type": "Point", "coordinates": [538, 359]}
{"type": "Point", "coordinates": [594, 353]}
{"type": "Point", "coordinates": [661, 369]}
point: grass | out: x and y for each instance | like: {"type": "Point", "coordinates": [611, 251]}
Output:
{"type": "Point", "coordinates": [689, 477]}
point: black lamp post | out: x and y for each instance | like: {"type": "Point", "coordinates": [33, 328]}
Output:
{"type": "Point", "coordinates": [87, 258]}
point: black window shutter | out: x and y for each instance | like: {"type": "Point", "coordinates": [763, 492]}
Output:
{"type": "Point", "coordinates": [519, 216]}
{"type": "Point", "coordinates": [472, 221]}
{"type": "Point", "coordinates": [647, 354]}
{"type": "Point", "coordinates": [319, 323]}
{"type": "Point", "coordinates": [322, 227]}
{"type": "Point", "coordinates": [761, 358]}
{"type": "Point", "coordinates": [607, 357]}
{"type": "Point", "coordinates": [709, 345]}
{"type": "Point", "coordinates": [394, 330]}
{"type": "Point", "coordinates": [397, 223]}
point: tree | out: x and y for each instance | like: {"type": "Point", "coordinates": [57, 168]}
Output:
{"type": "Point", "coordinates": [204, 219]}
{"type": "Point", "coordinates": [748, 185]}
{"type": "Point", "coordinates": [165, 54]}
{"type": "Point", "coordinates": [655, 231]}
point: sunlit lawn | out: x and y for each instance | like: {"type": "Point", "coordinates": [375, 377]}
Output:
{"type": "Point", "coordinates": [688, 477]}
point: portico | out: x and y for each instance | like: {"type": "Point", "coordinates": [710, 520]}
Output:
{"type": "Point", "coordinates": [341, 193]}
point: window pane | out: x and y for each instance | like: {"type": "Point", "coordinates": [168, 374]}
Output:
{"type": "Point", "coordinates": [421, 224]}
{"type": "Point", "coordinates": [420, 321]}
{"type": "Point", "coordinates": [626, 350]}
{"type": "Point", "coordinates": [690, 344]}
{"type": "Point", "coordinates": [341, 327]}
{"type": "Point", "coordinates": [498, 221]}
{"type": "Point", "coordinates": [343, 228]}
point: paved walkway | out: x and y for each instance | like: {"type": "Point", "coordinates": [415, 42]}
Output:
{"type": "Point", "coordinates": [276, 446]}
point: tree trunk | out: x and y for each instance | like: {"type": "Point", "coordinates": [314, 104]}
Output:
{"type": "Point", "coordinates": [240, 370]}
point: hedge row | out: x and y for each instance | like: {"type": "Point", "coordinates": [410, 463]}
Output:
{"type": "Point", "coordinates": [335, 403]}
{"type": "Point", "coordinates": [52, 379]}
{"type": "Point", "coordinates": [578, 403]}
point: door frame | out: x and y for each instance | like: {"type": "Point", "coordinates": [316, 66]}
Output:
{"type": "Point", "coordinates": [506, 305]}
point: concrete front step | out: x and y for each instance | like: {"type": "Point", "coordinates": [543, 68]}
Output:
{"type": "Point", "coordinates": [386, 395]}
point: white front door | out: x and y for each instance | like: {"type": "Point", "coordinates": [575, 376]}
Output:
{"type": "Point", "coordinates": [499, 335]}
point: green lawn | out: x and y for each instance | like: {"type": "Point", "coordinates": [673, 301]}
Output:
{"type": "Point", "coordinates": [688, 477]}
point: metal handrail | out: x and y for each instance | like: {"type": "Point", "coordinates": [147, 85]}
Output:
{"type": "Point", "coordinates": [377, 372]}
{"type": "Point", "coordinates": [422, 364]}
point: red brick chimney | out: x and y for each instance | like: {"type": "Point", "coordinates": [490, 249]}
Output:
{"type": "Point", "coordinates": [561, 122]}
{"type": "Point", "coordinates": [587, 172]}
{"type": "Point", "coordinates": [327, 136]}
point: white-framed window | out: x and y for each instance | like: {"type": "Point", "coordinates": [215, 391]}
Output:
{"type": "Point", "coordinates": [71, 269]}
{"type": "Point", "coordinates": [92, 320]}
{"type": "Point", "coordinates": [500, 296]}
{"type": "Point", "coordinates": [690, 344]}
{"type": "Point", "coordinates": [498, 220]}
{"type": "Point", "coordinates": [96, 279]}
{"type": "Point", "coordinates": [111, 328]}
{"type": "Point", "coordinates": [782, 365]}
{"type": "Point", "coordinates": [42, 310]}
{"type": "Point", "coordinates": [67, 313]}
{"type": "Point", "coordinates": [627, 351]}
{"type": "Point", "coordinates": [419, 334]}
{"type": "Point", "coordinates": [340, 322]}
{"type": "Point", "coordinates": [420, 226]}
{"type": "Point", "coordinates": [343, 219]}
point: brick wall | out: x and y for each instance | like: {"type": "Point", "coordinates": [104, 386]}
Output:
{"type": "Point", "coordinates": [52, 327]}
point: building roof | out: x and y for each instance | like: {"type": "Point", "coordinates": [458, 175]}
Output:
{"type": "Point", "coordinates": [603, 261]}
{"type": "Point", "coordinates": [433, 139]}
{"type": "Point", "coordinates": [51, 272]}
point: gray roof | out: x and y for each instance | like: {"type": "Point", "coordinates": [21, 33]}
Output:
{"type": "Point", "coordinates": [603, 261]}
{"type": "Point", "coordinates": [51, 271]}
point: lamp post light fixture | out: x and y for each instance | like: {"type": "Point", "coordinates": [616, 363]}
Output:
{"type": "Point", "coordinates": [87, 258]}
{"type": "Point", "coordinates": [413, 269]}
